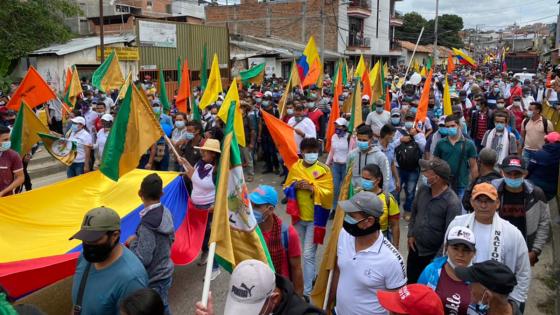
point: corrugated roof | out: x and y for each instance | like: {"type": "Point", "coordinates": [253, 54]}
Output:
{"type": "Point", "coordinates": [410, 47]}
{"type": "Point", "coordinates": [81, 43]}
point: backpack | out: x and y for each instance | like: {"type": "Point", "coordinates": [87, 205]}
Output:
{"type": "Point", "coordinates": [408, 155]}
{"type": "Point", "coordinates": [544, 122]}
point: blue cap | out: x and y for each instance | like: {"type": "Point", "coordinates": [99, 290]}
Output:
{"type": "Point", "coordinates": [264, 194]}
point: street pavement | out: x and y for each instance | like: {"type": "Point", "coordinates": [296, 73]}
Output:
{"type": "Point", "coordinates": [188, 280]}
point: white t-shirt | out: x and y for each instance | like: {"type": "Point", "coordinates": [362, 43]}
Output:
{"type": "Point", "coordinates": [82, 139]}
{"type": "Point", "coordinates": [380, 267]}
{"type": "Point", "coordinates": [306, 125]}
{"type": "Point", "coordinates": [100, 143]}
{"type": "Point", "coordinates": [90, 118]}
{"type": "Point", "coordinates": [376, 121]}
{"type": "Point", "coordinates": [483, 234]}
{"type": "Point", "coordinates": [553, 96]}
{"type": "Point", "coordinates": [339, 148]}
{"type": "Point", "coordinates": [204, 190]}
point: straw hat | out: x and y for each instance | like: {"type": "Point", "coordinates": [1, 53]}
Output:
{"type": "Point", "coordinates": [210, 145]}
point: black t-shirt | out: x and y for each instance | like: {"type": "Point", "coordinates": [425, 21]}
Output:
{"type": "Point", "coordinates": [513, 210]}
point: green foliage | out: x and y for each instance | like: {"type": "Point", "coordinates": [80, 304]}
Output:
{"type": "Point", "coordinates": [449, 26]}
{"type": "Point", "coordinates": [27, 25]}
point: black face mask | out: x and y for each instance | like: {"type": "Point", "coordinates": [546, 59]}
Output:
{"type": "Point", "coordinates": [98, 253]}
{"type": "Point", "coordinates": [356, 231]}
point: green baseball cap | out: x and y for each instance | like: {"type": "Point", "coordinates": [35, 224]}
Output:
{"type": "Point", "coordinates": [97, 222]}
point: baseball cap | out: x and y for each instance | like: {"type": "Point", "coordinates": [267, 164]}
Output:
{"type": "Point", "coordinates": [79, 120]}
{"type": "Point", "coordinates": [251, 284]}
{"type": "Point", "coordinates": [461, 235]}
{"type": "Point", "coordinates": [97, 222]}
{"type": "Point", "coordinates": [410, 114]}
{"type": "Point", "coordinates": [486, 189]}
{"type": "Point", "coordinates": [488, 156]}
{"type": "Point", "coordinates": [365, 97]}
{"type": "Point", "coordinates": [552, 137]}
{"type": "Point", "coordinates": [264, 194]}
{"type": "Point", "coordinates": [364, 201]}
{"type": "Point", "coordinates": [107, 117]}
{"type": "Point", "coordinates": [341, 122]}
{"type": "Point", "coordinates": [513, 163]}
{"type": "Point", "coordinates": [395, 112]}
{"type": "Point", "coordinates": [439, 166]}
{"type": "Point", "coordinates": [441, 121]}
{"type": "Point", "coordinates": [380, 103]}
{"type": "Point", "coordinates": [413, 299]}
{"type": "Point", "coordinates": [494, 275]}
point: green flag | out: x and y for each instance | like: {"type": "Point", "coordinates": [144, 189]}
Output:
{"type": "Point", "coordinates": [163, 93]}
{"type": "Point", "coordinates": [253, 75]}
{"type": "Point", "coordinates": [204, 70]}
{"type": "Point", "coordinates": [179, 71]}
{"type": "Point", "coordinates": [344, 73]}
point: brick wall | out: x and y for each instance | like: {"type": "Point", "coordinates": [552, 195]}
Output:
{"type": "Point", "coordinates": [290, 20]}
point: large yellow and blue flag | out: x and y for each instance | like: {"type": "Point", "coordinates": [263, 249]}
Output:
{"type": "Point", "coordinates": [308, 57]}
{"type": "Point", "coordinates": [464, 58]}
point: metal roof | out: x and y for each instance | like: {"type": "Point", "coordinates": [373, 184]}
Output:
{"type": "Point", "coordinates": [81, 43]}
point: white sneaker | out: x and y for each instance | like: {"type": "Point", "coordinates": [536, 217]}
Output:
{"type": "Point", "coordinates": [215, 274]}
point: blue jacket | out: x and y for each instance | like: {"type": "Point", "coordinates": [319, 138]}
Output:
{"type": "Point", "coordinates": [430, 275]}
{"type": "Point", "coordinates": [543, 168]}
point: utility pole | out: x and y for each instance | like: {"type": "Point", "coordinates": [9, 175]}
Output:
{"type": "Point", "coordinates": [101, 44]}
{"type": "Point", "coordinates": [323, 33]}
{"type": "Point", "coordinates": [436, 51]}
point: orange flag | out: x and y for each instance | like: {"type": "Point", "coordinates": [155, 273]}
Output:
{"type": "Point", "coordinates": [388, 95]}
{"type": "Point", "coordinates": [313, 74]}
{"type": "Point", "coordinates": [367, 85]}
{"type": "Point", "coordinates": [548, 83]}
{"type": "Point", "coordinates": [283, 136]}
{"type": "Point", "coordinates": [450, 64]}
{"type": "Point", "coordinates": [184, 89]}
{"type": "Point", "coordinates": [68, 78]}
{"type": "Point", "coordinates": [424, 98]}
{"type": "Point", "coordinates": [335, 109]}
{"type": "Point", "coordinates": [33, 90]}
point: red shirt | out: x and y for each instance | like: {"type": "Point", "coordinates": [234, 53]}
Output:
{"type": "Point", "coordinates": [294, 250]}
{"type": "Point", "coordinates": [10, 163]}
{"type": "Point", "coordinates": [315, 115]}
{"type": "Point", "coordinates": [455, 295]}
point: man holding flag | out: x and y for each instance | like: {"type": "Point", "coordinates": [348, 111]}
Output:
{"type": "Point", "coordinates": [11, 167]}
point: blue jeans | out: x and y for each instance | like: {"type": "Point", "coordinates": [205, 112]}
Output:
{"type": "Point", "coordinates": [162, 288]}
{"type": "Point", "coordinates": [75, 169]}
{"type": "Point", "coordinates": [338, 171]}
{"type": "Point", "coordinates": [408, 185]}
{"type": "Point", "coordinates": [305, 232]}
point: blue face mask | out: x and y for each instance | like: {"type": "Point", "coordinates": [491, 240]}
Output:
{"type": "Point", "coordinates": [310, 158]}
{"type": "Point", "coordinates": [265, 103]}
{"type": "Point", "coordinates": [379, 109]}
{"type": "Point", "coordinates": [424, 180]}
{"type": "Point", "coordinates": [290, 111]}
{"type": "Point", "coordinates": [348, 219]}
{"type": "Point", "coordinates": [500, 126]}
{"type": "Point", "coordinates": [258, 216]}
{"type": "Point", "coordinates": [452, 131]}
{"type": "Point", "coordinates": [413, 110]}
{"type": "Point", "coordinates": [189, 135]}
{"type": "Point", "coordinates": [5, 145]}
{"type": "Point", "coordinates": [367, 184]}
{"type": "Point", "coordinates": [157, 110]}
{"type": "Point", "coordinates": [513, 182]}
{"type": "Point", "coordinates": [363, 145]}
{"type": "Point", "coordinates": [74, 128]}
{"type": "Point", "coordinates": [180, 124]}
{"type": "Point", "coordinates": [395, 121]}
{"type": "Point", "coordinates": [443, 131]}
{"type": "Point", "coordinates": [409, 124]}
{"type": "Point", "coordinates": [310, 105]}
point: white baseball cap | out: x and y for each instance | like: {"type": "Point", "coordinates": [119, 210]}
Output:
{"type": "Point", "coordinates": [341, 122]}
{"type": "Point", "coordinates": [252, 282]}
{"type": "Point", "coordinates": [79, 120]}
{"type": "Point", "coordinates": [461, 235]}
{"type": "Point", "coordinates": [365, 97]}
{"type": "Point", "coordinates": [107, 117]}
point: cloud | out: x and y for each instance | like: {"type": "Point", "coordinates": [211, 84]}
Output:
{"type": "Point", "coordinates": [486, 14]}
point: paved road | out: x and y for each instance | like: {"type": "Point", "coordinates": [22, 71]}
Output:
{"type": "Point", "coordinates": [188, 280]}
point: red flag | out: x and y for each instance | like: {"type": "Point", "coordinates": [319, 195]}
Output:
{"type": "Point", "coordinates": [313, 74]}
{"type": "Point", "coordinates": [33, 90]}
{"type": "Point", "coordinates": [335, 109]}
{"type": "Point", "coordinates": [424, 99]}
{"type": "Point", "coordinates": [184, 92]}
{"type": "Point", "coordinates": [189, 235]}
{"type": "Point", "coordinates": [504, 66]}
{"type": "Point", "coordinates": [283, 136]}
{"type": "Point", "coordinates": [367, 86]}
{"type": "Point", "coordinates": [450, 64]}
{"type": "Point", "coordinates": [68, 78]}
{"type": "Point", "coordinates": [388, 95]}
{"type": "Point", "coordinates": [548, 83]}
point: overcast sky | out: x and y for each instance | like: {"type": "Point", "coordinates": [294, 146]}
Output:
{"type": "Point", "coordinates": [493, 14]}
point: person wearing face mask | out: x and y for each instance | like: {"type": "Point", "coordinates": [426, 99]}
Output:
{"type": "Point", "coordinates": [487, 173]}
{"type": "Point", "coordinates": [366, 106]}
{"type": "Point", "coordinates": [309, 190]}
{"type": "Point", "coordinates": [107, 272]}
{"type": "Point", "coordinates": [434, 138]}
{"type": "Point", "coordinates": [424, 126]}
{"type": "Point", "coordinates": [512, 120]}
{"type": "Point", "coordinates": [378, 118]}
{"type": "Point", "coordinates": [163, 118]}
{"type": "Point", "coordinates": [440, 275]}
{"type": "Point", "coordinates": [366, 261]}
{"type": "Point", "coordinates": [281, 238]}
{"type": "Point", "coordinates": [100, 111]}
{"type": "Point", "coordinates": [533, 130]}
{"type": "Point", "coordinates": [490, 283]}
{"type": "Point", "coordinates": [434, 206]}
{"type": "Point", "coordinates": [516, 108]}
{"type": "Point", "coordinates": [256, 289]}
{"type": "Point", "coordinates": [527, 97]}
{"type": "Point", "coordinates": [500, 139]}
{"type": "Point", "coordinates": [460, 153]}
{"type": "Point", "coordinates": [101, 138]}
{"type": "Point", "coordinates": [515, 90]}
{"type": "Point", "coordinates": [178, 139]}
{"type": "Point", "coordinates": [524, 205]}
{"type": "Point", "coordinates": [250, 128]}
{"type": "Point", "coordinates": [11, 166]}
{"type": "Point", "coordinates": [7, 117]}
{"type": "Point", "coordinates": [481, 121]}
{"type": "Point", "coordinates": [303, 126]}
{"type": "Point", "coordinates": [395, 117]}
{"type": "Point", "coordinates": [496, 238]}
{"type": "Point", "coordinates": [89, 115]}
{"type": "Point", "coordinates": [289, 111]}
{"type": "Point", "coordinates": [316, 115]}
{"type": "Point", "coordinates": [466, 105]}
{"type": "Point", "coordinates": [338, 154]}
{"type": "Point", "coordinates": [493, 95]}
{"type": "Point", "coordinates": [84, 141]}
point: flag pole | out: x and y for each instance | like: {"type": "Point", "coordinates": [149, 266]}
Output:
{"type": "Point", "coordinates": [328, 290]}
{"type": "Point", "coordinates": [208, 273]}
{"type": "Point", "coordinates": [172, 147]}
{"type": "Point", "coordinates": [413, 52]}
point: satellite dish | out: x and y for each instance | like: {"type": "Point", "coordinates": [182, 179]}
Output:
{"type": "Point", "coordinates": [415, 78]}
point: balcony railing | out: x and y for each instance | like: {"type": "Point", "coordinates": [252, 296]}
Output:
{"type": "Point", "coordinates": [357, 40]}
{"type": "Point", "coordinates": [362, 4]}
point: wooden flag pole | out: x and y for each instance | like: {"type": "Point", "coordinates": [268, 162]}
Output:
{"type": "Point", "coordinates": [328, 290]}
{"type": "Point", "coordinates": [179, 158]}
{"type": "Point", "coordinates": [413, 53]}
{"type": "Point", "coordinates": [208, 273]}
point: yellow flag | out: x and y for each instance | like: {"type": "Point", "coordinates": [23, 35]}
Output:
{"type": "Point", "coordinates": [124, 87]}
{"type": "Point", "coordinates": [214, 86]}
{"type": "Point", "coordinates": [377, 85]}
{"type": "Point", "coordinates": [109, 75]}
{"type": "Point", "coordinates": [360, 68]}
{"type": "Point", "coordinates": [293, 81]}
{"type": "Point", "coordinates": [233, 96]}
{"type": "Point", "coordinates": [74, 88]}
{"type": "Point", "coordinates": [310, 52]}
{"type": "Point", "coordinates": [386, 72]}
{"type": "Point", "coordinates": [373, 75]}
{"type": "Point", "coordinates": [446, 98]}
{"type": "Point", "coordinates": [423, 72]}
{"type": "Point", "coordinates": [24, 133]}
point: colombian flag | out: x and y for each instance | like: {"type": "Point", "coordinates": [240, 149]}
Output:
{"type": "Point", "coordinates": [306, 60]}
{"type": "Point", "coordinates": [464, 58]}
{"type": "Point", "coordinates": [36, 252]}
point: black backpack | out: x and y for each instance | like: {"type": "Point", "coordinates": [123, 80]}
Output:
{"type": "Point", "coordinates": [408, 155]}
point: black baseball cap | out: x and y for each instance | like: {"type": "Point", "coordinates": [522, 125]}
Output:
{"type": "Point", "coordinates": [494, 275]}
{"type": "Point", "coordinates": [514, 163]}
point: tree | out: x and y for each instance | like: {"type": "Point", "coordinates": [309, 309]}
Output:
{"type": "Point", "coordinates": [449, 26]}
{"type": "Point", "coordinates": [412, 24]}
{"type": "Point", "coordinates": [27, 25]}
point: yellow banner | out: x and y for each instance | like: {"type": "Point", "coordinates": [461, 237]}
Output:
{"type": "Point", "coordinates": [124, 53]}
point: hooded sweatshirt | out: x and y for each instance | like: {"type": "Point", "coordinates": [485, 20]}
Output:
{"type": "Point", "coordinates": [358, 159]}
{"type": "Point", "coordinates": [292, 304]}
{"type": "Point", "coordinates": [543, 168]}
{"type": "Point", "coordinates": [155, 235]}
